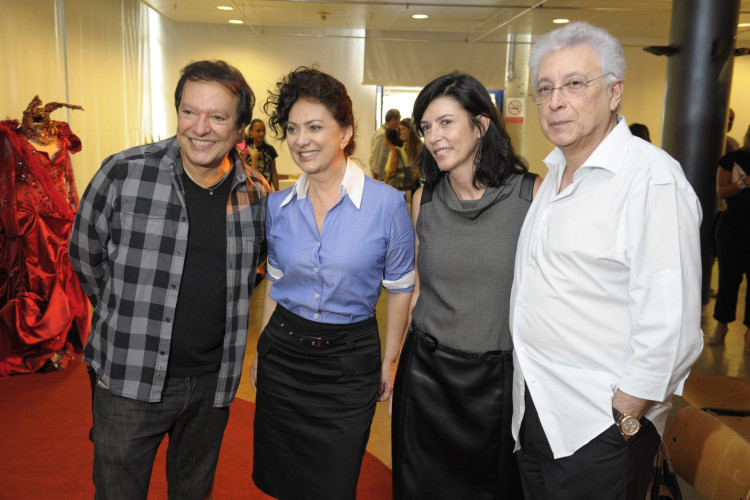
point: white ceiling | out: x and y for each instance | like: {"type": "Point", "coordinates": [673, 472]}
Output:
{"type": "Point", "coordinates": [634, 22]}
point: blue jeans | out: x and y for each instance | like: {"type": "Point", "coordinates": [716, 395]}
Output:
{"type": "Point", "coordinates": [128, 432]}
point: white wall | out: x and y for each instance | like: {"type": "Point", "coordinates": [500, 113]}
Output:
{"type": "Point", "coordinates": [263, 60]}
{"type": "Point", "coordinates": [70, 51]}
{"type": "Point", "coordinates": [92, 65]}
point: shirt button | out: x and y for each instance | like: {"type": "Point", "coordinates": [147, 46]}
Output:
{"type": "Point", "coordinates": [162, 353]}
{"type": "Point", "coordinates": [316, 315]}
{"type": "Point", "coordinates": [172, 286]}
{"type": "Point", "coordinates": [316, 295]}
{"type": "Point", "coordinates": [168, 320]}
{"type": "Point", "coordinates": [179, 252]}
{"type": "Point", "coordinates": [315, 269]}
{"type": "Point", "coordinates": [318, 243]}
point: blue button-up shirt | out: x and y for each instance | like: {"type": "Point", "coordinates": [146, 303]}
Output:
{"type": "Point", "coordinates": [335, 276]}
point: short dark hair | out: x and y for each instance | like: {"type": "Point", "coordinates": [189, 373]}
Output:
{"type": "Point", "coordinates": [309, 83]}
{"type": "Point", "coordinates": [495, 158]}
{"type": "Point", "coordinates": [640, 130]}
{"type": "Point", "coordinates": [391, 114]}
{"type": "Point", "coordinates": [228, 76]}
{"type": "Point", "coordinates": [394, 137]}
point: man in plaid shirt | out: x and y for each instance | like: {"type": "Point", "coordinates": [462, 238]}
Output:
{"type": "Point", "coordinates": [166, 243]}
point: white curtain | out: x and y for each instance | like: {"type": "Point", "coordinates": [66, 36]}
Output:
{"type": "Point", "coordinates": [391, 60]}
{"type": "Point", "coordinates": [94, 54]}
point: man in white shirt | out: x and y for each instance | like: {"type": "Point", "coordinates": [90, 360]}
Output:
{"type": "Point", "coordinates": [379, 150]}
{"type": "Point", "coordinates": [606, 305]}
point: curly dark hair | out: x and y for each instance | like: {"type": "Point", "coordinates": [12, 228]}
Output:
{"type": "Point", "coordinates": [309, 83]}
{"type": "Point", "coordinates": [495, 158]}
{"type": "Point", "coordinates": [228, 76]}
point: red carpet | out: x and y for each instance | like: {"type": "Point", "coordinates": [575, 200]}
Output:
{"type": "Point", "coordinates": [46, 454]}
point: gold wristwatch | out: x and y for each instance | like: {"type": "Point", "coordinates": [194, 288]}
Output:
{"type": "Point", "coordinates": [628, 424]}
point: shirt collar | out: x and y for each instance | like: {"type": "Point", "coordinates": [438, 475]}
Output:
{"type": "Point", "coordinates": [352, 184]}
{"type": "Point", "coordinates": [607, 155]}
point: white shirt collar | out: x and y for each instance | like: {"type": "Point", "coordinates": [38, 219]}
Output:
{"type": "Point", "coordinates": [607, 155]}
{"type": "Point", "coordinates": [352, 184]}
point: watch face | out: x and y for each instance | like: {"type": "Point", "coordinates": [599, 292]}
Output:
{"type": "Point", "coordinates": [630, 425]}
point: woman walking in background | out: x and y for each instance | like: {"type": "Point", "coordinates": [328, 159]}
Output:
{"type": "Point", "coordinates": [413, 147]}
{"type": "Point", "coordinates": [733, 240]}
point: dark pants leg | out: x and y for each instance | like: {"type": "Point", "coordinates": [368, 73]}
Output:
{"type": "Point", "coordinates": [733, 248]}
{"type": "Point", "coordinates": [128, 432]}
{"type": "Point", "coordinates": [605, 468]}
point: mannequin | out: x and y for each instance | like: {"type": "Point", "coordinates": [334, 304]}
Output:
{"type": "Point", "coordinates": [44, 313]}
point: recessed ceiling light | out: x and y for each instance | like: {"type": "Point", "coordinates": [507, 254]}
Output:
{"type": "Point", "coordinates": [225, 7]}
{"type": "Point", "coordinates": [561, 21]}
{"type": "Point", "coordinates": [420, 16]}
{"type": "Point", "coordinates": [235, 21]}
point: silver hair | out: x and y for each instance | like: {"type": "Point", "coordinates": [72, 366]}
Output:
{"type": "Point", "coordinates": [609, 50]}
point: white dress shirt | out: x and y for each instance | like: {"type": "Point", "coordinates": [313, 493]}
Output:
{"type": "Point", "coordinates": [606, 293]}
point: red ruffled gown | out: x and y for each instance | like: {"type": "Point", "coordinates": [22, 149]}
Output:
{"type": "Point", "coordinates": [43, 309]}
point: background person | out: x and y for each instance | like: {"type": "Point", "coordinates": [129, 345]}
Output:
{"type": "Point", "coordinates": [733, 241]}
{"type": "Point", "coordinates": [379, 150]}
{"type": "Point", "coordinates": [166, 243]}
{"type": "Point", "coordinates": [398, 173]}
{"type": "Point", "coordinates": [261, 155]}
{"type": "Point", "coordinates": [334, 239]}
{"type": "Point", "coordinates": [606, 307]}
{"type": "Point", "coordinates": [640, 130]}
{"type": "Point", "coordinates": [452, 400]}
{"type": "Point", "coordinates": [413, 147]}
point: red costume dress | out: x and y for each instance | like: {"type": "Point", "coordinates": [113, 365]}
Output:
{"type": "Point", "coordinates": [43, 309]}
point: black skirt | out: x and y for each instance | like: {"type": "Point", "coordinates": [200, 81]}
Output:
{"type": "Point", "coordinates": [451, 434]}
{"type": "Point", "coordinates": [316, 393]}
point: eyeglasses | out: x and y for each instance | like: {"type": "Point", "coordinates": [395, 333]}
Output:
{"type": "Point", "coordinates": [574, 89]}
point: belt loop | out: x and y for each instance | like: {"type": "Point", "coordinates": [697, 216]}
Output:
{"type": "Point", "coordinates": [430, 341]}
{"type": "Point", "coordinates": [349, 343]}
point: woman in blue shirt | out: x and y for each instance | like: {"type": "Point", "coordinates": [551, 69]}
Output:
{"type": "Point", "coordinates": [334, 238]}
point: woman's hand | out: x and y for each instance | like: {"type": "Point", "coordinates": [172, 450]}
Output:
{"type": "Point", "coordinates": [387, 374]}
{"type": "Point", "coordinates": [254, 373]}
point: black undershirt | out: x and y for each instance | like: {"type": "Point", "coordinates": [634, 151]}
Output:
{"type": "Point", "coordinates": [200, 318]}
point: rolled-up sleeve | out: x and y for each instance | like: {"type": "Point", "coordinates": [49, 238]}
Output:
{"type": "Point", "coordinates": [399, 264]}
{"type": "Point", "coordinates": [663, 249]}
{"type": "Point", "coordinates": [273, 269]}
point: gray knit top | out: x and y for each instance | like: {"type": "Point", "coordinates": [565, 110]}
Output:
{"type": "Point", "coordinates": [465, 264]}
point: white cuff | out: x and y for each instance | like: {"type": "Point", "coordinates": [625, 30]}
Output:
{"type": "Point", "coordinates": [406, 281]}
{"type": "Point", "coordinates": [273, 273]}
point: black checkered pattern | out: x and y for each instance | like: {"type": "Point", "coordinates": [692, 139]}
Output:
{"type": "Point", "coordinates": [128, 247]}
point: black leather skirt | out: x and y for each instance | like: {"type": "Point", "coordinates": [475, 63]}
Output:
{"type": "Point", "coordinates": [451, 423]}
{"type": "Point", "coordinates": [316, 393]}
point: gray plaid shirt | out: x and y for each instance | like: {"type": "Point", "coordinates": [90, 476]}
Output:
{"type": "Point", "coordinates": [128, 248]}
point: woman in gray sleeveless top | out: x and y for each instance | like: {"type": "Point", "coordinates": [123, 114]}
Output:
{"type": "Point", "coordinates": [452, 395]}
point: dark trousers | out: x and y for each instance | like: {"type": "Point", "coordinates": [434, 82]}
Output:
{"type": "Point", "coordinates": [128, 432]}
{"type": "Point", "coordinates": [606, 468]}
{"type": "Point", "coordinates": [733, 254]}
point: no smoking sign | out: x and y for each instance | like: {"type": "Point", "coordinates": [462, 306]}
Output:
{"type": "Point", "coordinates": [514, 110]}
